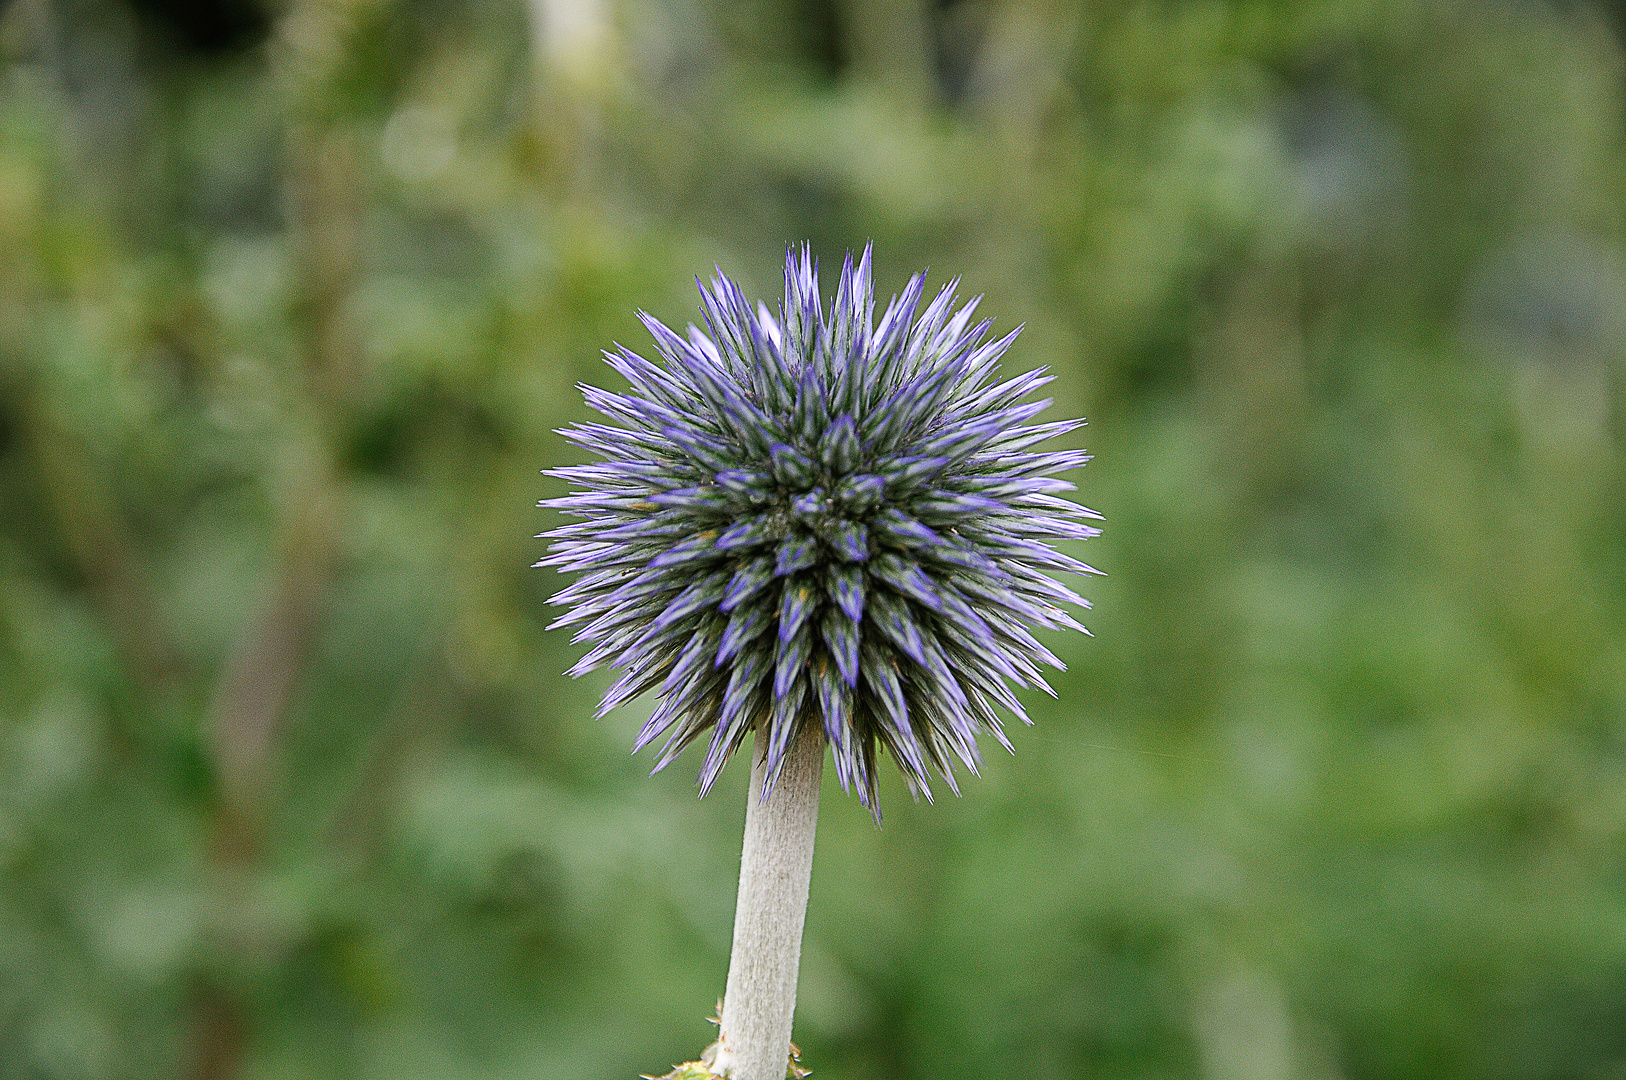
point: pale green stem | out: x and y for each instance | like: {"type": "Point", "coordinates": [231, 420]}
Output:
{"type": "Point", "coordinates": [776, 862]}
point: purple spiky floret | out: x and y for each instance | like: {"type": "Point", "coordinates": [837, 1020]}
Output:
{"type": "Point", "coordinates": [815, 518]}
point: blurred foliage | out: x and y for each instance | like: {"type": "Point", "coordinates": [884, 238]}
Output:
{"type": "Point", "coordinates": [292, 297]}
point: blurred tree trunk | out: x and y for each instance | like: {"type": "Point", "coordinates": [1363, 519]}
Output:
{"type": "Point", "coordinates": [246, 715]}
{"type": "Point", "coordinates": [890, 44]}
{"type": "Point", "coordinates": [573, 45]}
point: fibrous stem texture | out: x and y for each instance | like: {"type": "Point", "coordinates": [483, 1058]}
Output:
{"type": "Point", "coordinates": [816, 516]}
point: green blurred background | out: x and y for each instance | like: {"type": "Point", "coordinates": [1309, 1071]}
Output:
{"type": "Point", "coordinates": [293, 295]}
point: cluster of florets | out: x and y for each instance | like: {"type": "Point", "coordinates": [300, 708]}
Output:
{"type": "Point", "coordinates": [817, 519]}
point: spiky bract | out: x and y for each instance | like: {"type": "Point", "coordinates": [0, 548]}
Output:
{"type": "Point", "coordinates": [815, 518]}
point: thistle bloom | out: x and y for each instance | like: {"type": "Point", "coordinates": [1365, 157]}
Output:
{"type": "Point", "coordinates": [815, 518]}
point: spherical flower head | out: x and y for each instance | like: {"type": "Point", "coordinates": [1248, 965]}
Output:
{"type": "Point", "coordinates": [818, 518]}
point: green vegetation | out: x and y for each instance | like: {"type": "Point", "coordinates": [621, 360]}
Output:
{"type": "Point", "coordinates": [290, 783]}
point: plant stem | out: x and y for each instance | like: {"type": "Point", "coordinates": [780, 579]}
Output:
{"type": "Point", "coordinates": [776, 862]}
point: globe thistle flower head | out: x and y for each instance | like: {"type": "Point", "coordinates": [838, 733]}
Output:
{"type": "Point", "coordinates": [818, 517]}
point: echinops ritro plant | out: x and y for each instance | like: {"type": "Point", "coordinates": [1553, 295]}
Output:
{"type": "Point", "coordinates": [822, 527]}
{"type": "Point", "coordinates": [812, 518]}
